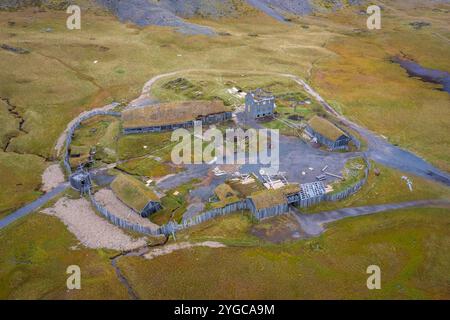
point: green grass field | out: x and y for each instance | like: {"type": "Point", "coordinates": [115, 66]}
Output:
{"type": "Point", "coordinates": [21, 180]}
{"type": "Point", "coordinates": [35, 254]}
{"type": "Point", "coordinates": [407, 245]}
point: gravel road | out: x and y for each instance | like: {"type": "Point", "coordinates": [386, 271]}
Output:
{"type": "Point", "coordinates": [314, 224]}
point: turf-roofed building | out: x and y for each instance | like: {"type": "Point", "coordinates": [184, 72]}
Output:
{"type": "Point", "coordinates": [136, 195]}
{"type": "Point", "coordinates": [327, 134]}
{"type": "Point", "coordinates": [174, 115]}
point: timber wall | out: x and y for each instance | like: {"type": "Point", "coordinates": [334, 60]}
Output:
{"type": "Point", "coordinates": [72, 129]}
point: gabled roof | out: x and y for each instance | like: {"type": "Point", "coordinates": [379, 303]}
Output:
{"type": "Point", "coordinates": [170, 113]}
{"type": "Point", "coordinates": [290, 188]}
{"type": "Point", "coordinates": [132, 192]}
{"type": "Point", "coordinates": [325, 128]}
{"type": "Point", "coordinates": [224, 191]}
{"type": "Point", "coordinates": [268, 198]}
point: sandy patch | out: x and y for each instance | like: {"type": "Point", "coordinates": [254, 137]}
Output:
{"type": "Point", "coordinates": [90, 229]}
{"type": "Point", "coordinates": [52, 177]}
{"type": "Point", "coordinates": [180, 246]}
{"type": "Point", "coordinates": [108, 199]}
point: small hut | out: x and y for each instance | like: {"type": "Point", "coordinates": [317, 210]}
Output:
{"type": "Point", "coordinates": [225, 194]}
{"type": "Point", "coordinates": [80, 180]}
{"type": "Point", "coordinates": [136, 195]}
{"type": "Point", "coordinates": [268, 203]}
{"type": "Point", "coordinates": [327, 134]}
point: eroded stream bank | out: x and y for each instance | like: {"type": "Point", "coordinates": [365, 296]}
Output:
{"type": "Point", "coordinates": [133, 253]}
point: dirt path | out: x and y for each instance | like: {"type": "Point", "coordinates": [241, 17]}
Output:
{"type": "Point", "coordinates": [33, 206]}
{"type": "Point", "coordinates": [145, 97]}
{"type": "Point", "coordinates": [181, 246]}
{"type": "Point", "coordinates": [52, 177]}
{"type": "Point", "coordinates": [379, 149]}
{"type": "Point", "coordinates": [315, 224]}
{"type": "Point", "coordinates": [108, 199]}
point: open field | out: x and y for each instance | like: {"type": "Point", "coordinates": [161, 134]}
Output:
{"type": "Point", "coordinates": [33, 265]}
{"type": "Point", "coordinates": [90, 85]}
{"type": "Point", "coordinates": [21, 180]}
{"type": "Point", "coordinates": [407, 245]}
{"type": "Point", "coordinates": [408, 111]}
{"type": "Point", "coordinates": [67, 72]}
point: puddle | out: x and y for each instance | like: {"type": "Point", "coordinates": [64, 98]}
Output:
{"type": "Point", "coordinates": [428, 75]}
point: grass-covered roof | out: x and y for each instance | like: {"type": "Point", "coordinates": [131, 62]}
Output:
{"type": "Point", "coordinates": [170, 113]}
{"type": "Point", "coordinates": [132, 192]}
{"type": "Point", "coordinates": [268, 198]}
{"type": "Point", "coordinates": [325, 128]}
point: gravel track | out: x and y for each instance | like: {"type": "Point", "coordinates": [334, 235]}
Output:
{"type": "Point", "coordinates": [52, 177]}
{"type": "Point", "coordinates": [108, 199]}
{"type": "Point", "coordinates": [89, 228]}
{"type": "Point", "coordinates": [181, 246]}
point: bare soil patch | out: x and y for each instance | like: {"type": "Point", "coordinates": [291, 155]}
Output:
{"type": "Point", "coordinates": [180, 246]}
{"type": "Point", "coordinates": [108, 199]}
{"type": "Point", "coordinates": [52, 177]}
{"type": "Point", "coordinates": [90, 229]}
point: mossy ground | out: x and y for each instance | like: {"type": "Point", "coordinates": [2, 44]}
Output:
{"type": "Point", "coordinates": [405, 244]}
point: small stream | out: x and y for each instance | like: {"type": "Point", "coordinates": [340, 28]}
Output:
{"type": "Point", "coordinates": [134, 253]}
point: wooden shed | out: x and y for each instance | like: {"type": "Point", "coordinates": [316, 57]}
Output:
{"type": "Point", "coordinates": [268, 203]}
{"type": "Point", "coordinates": [136, 195]}
{"type": "Point", "coordinates": [259, 103]}
{"type": "Point", "coordinates": [327, 133]}
{"type": "Point", "coordinates": [226, 195]}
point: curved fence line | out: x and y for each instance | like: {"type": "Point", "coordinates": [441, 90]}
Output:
{"type": "Point", "coordinates": [72, 129]}
{"type": "Point", "coordinates": [173, 227]}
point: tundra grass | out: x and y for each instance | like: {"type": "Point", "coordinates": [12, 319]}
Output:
{"type": "Point", "coordinates": [407, 245]}
{"type": "Point", "coordinates": [20, 183]}
{"type": "Point", "coordinates": [33, 265]}
{"type": "Point", "coordinates": [409, 112]}
{"type": "Point", "coordinates": [58, 79]}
